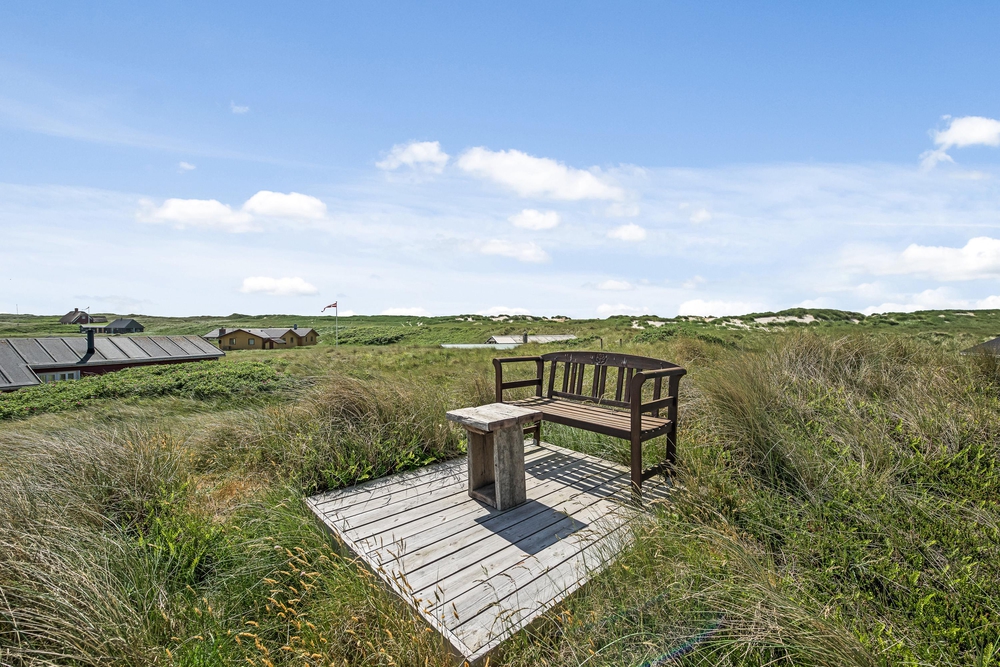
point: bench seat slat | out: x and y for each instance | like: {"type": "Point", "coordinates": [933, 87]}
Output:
{"type": "Point", "coordinates": [594, 418]}
{"type": "Point", "coordinates": [589, 400]}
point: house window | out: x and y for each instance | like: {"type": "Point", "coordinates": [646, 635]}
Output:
{"type": "Point", "coordinates": [232, 341]}
{"type": "Point", "coordinates": [58, 377]}
{"type": "Point", "coordinates": [250, 342]}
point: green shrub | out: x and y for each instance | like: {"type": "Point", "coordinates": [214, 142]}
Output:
{"type": "Point", "coordinates": [655, 334]}
{"type": "Point", "coordinates": [372, 336]}
{"type": "Point", "coordinates": [198, 380]}
{"type": "Point", "coordinates": [345, 431]}
{"type": "Point", "coordinates": [715, 340]}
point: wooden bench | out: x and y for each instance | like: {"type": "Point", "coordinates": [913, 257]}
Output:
{"type": "Point", "coordinates": [579, 400]}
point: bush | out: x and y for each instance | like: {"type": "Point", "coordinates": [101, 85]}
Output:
{"type": "Point", "coordinates": [198, 380]}
{"type": "Point", "coordinates": [655, 335]}
{"type": "Point", "coordinates": [344, 431]}
{"type": "Point", "coordinates": [372, 336]}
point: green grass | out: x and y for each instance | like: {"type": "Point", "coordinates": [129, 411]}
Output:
{"type": "Point", "coordinates": [837, 503]}
{"type": "Point", "coordinates": [205, 380]}
{"type": "Point", "coordinates": [952, 329]}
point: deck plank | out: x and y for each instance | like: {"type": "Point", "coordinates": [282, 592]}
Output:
{"type": "Point", "coordinates": [368, 494]}
{"type": "Point", "coordinates": [486, 630]}
{"type": "Point", "coordinates": [485, 552]}
{"type": "Point", "coordinates": [476, 574]}
{"type": "Point", "coordinates": [472, 517]}
{"type": "Point", "coordinates": [446, 508]}
{"type": "Point", "coordinates": [575, 519]}
{"type": "Point", "coordinates": [426, 491]}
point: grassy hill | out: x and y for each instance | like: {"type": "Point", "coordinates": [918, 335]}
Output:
{"type": "Point", "coordinates": [951, 328]}
{"type": "Point", "coordinates": [837, 500]}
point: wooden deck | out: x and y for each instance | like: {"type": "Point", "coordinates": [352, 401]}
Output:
{"type": "Point", "coordinates": [476, 574]}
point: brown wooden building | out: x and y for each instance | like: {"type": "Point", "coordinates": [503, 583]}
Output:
{"type": "Point", "coordinates": [77, 316]}
{"type": "Point", "coordinates": [262, 339]}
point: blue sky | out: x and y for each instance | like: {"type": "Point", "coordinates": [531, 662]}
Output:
{"type": "Point", "coordinates": [581, 159]}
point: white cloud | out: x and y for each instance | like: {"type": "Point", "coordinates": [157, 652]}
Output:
{"type": "Point", "coordinates": [280, 205]}
{"type": "Point", "coordinates": [700, 216]}
{"type": "Point", "coordinates": [503, 310]}
{"type": "Point", "coordinates": [942, 298]}
{"type": "Point", "coordinates": [235, 108]}
{"type": "Point", "coordinates": [205, 213]}
{"type": "Point", "coordinates": [531, 176]}
{"type": "Point", "coordinates": [185, 166]}
{"type": "Point", "coordinates": [523, 252]}
{"type": "Point", "coordinates": [718, 308]}
{"type": "Point", "coordinates": [608, 309]}
{"type": "Point", "coordinates": [978, 258]}
{"type": "Point", "coordinates": [962, 132]}
{"type": "Point", "coordinates": [529, 218]}
{"type": "Point", "coordinates": [614, 285]}
{"type": "Point", "coordinates": [969, 131]}
{"type": "Point", "coordinates": [692, 282]}
{"type": "Point", "coordinates": [409, 312]}
{"type": "Point", "coordinates": [629, 232]}
{"type": "Point", "coordinates": [821, 302]}
{"type": "Point", "coordinates": [425, 155]}
{"type": "Point", "coordinates": [989, 303]}
{"type": "Point", "coordinates": [213, 214]}
{"type": "Point", "coordinates": [277, 286]}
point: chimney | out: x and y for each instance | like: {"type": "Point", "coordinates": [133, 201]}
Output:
{"type": "Point", "coordinates": [90, 341]}
{"type": "Point", "coordinates": [295, 326]}
{"type": "Point", "coordinates": [222, 331]}
{"type": "Point", "coordinates": [524, 338]}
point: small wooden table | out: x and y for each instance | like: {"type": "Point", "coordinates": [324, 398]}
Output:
{"type": "Point", "coordinates": [496, 451]}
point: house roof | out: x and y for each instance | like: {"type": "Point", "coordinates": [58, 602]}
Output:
{"type": "Point", "coordinates": [544, 338]}
{"type": "Point", "coordinates": [281, 331]}
{"type": "Point", "coordinates": [272, 333]}
{"type": "Point", "coordinates": [20, 357]}
{"type": "Point", "coordinates": [989, 347]}
{"type": "Point", "coordinates": [123, 323]}
{"type": "Point", "coordinates": [72, 316]}
{"type": "Point", "coordinates": [78, 316]}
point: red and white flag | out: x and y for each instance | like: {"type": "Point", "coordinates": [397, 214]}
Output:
{"type": "Point", "coordinates": [332, 305]}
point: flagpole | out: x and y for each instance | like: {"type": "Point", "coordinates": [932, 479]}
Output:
{"type": "Point", "coordinates": [336, 327]}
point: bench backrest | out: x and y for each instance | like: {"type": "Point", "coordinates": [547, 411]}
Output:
{"type": "Point", "coordinates": [584, 376]}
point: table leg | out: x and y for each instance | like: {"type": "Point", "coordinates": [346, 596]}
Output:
{"type": "Point", "coordinates": [508, 472]}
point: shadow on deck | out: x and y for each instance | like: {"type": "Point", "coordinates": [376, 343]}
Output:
{"type": "Point", "coordinates": [476, 574]}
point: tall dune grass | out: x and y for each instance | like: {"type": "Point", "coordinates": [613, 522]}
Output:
{"type": "Point", "coordinates": [837, 503]}
{"type": "Point", "coordinates": [343, 431]}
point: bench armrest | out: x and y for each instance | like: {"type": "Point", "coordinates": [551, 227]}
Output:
{"type": "Point", "coordinates": [661, 372]}
{"type": "Point", "coordinates": [501, 385]}
{"type": "Point", "coordinates": [638, 408]}
{"type": "Point", "coordinates": [509, 360]}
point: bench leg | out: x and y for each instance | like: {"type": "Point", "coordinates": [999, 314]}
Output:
{"type": "Point", "coordinates": [636, 462]}
{"type": "Point", "coordinates": [535, 432]}
{"type": "Point", "coordinates": [672, 447]}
